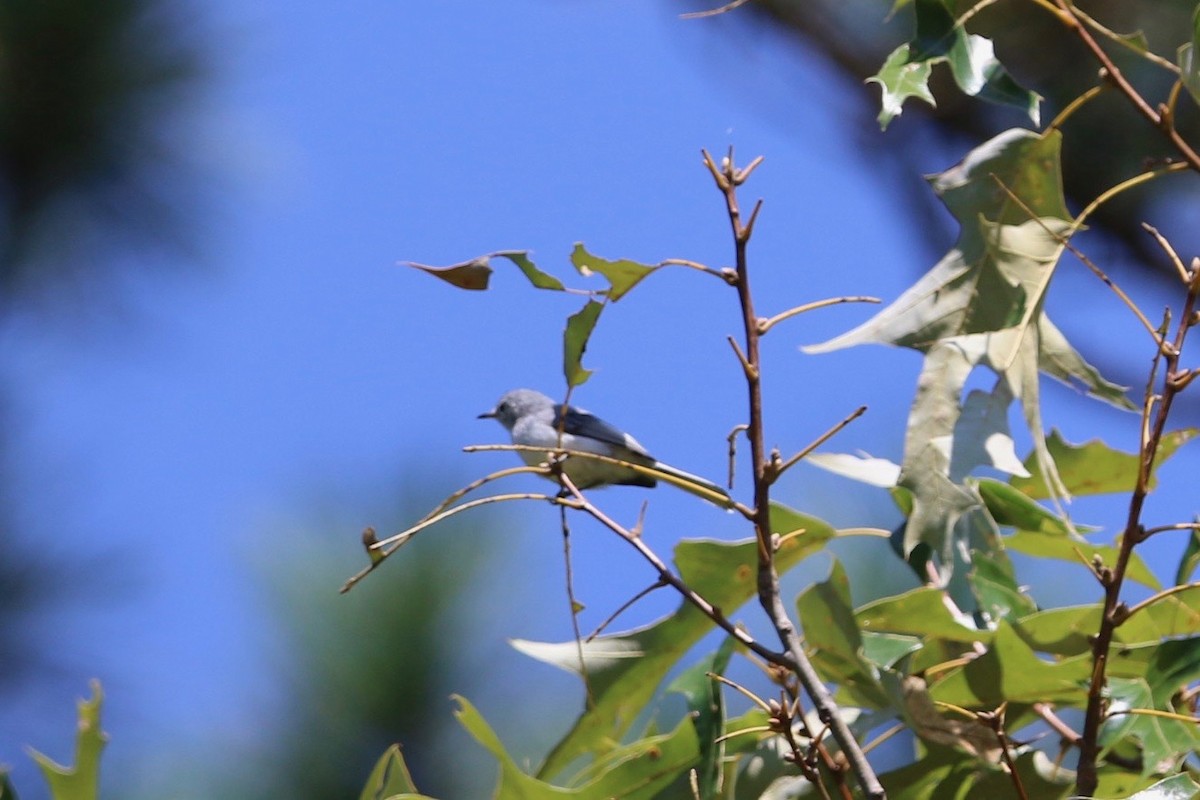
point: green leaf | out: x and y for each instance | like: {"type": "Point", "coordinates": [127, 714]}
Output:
{"type": "Point", "coordinates": [973, 64]}
{"type": "Point", "coordinates": [622, 274]}
{"type": "Point", "coordinates": [1010, 507]}
{"type": "Point", "coordinates": [706, 703]}
{"type": "Point", "coordinates": [575, 340]}
{"type": "Point", "coordinates": [885, 649]}
{"type": "Point", "coordinates": [539, 279]}
{"type": "Point", "coordinates": [473, 274]}
{"type": "Point", "coordinates": [995, 588]}
{"type": "Point", "coordinates": [941, 772]}
{"type": "Point", "coordinates": [1191, 556]}
{"type": "Point", "coordinates": [919, 612]}
{"type": "Point", "coordinates": [1164, 741]}
{"type": "Point", "coordinates": [1176, 787]}
{"type": "Point", "coordinates": [1189, 61]}
{"type": "Point", "coordinates": [1176, 664]}
{"type": "Point", "coordinates": [831, 632]}
{"type": "Point", "coordinates": [979, 73]}
{"type": "Point", "coordinates": [1010, 672]}
{"type": "Point", "coordinates": [637, 771]}
{"type": "Point", "coordinates": [7, 792]}
{"type": "Point", "coordinates": [476, 274]}
{"type": "Point", "coordinates": [390, 778]}
{"type": "Point", "coordinates": [1069, 548]}
{"type": "Point", "coordinates": [1171, 615]}
{"type": "Point", "coordinates": [1096, 468]}
{"type": "Point", "coordinates": [625, 669]}
{"type": "Point", "coordinates": [981, 305]}
{"type": "Point", "coordinates": [901, 78]}
{"type": "Point", "coordinates": [82, 781]}
{"type": "Point", "coordinates": [1063, 631]}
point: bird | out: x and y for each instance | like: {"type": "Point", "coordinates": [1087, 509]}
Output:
{"type": "Point", "coordinates": [535, 420]}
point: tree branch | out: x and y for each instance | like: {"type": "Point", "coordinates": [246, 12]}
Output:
{"type": "Point", "coordinates": [728, 178]}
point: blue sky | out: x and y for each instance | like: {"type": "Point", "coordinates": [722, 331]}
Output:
{"type": "Point", "coordinates": [300, 367]}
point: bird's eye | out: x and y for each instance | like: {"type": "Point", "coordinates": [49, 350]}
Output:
{"type": "Point", "coordinates": [502, 408]}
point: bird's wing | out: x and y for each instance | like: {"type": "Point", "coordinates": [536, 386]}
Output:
{"type": "Point", "coordinates": [581, 423]}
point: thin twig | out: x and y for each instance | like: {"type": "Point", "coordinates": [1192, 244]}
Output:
{"type": "Point", "coordinates": [1116, 38]}
{"type": "Point", "coordinates": [737, 687]}
{"type": "Point", "coordinates": [995, 720]}
{"type": "Point", "coordinates": [1076, 104]}
{"type": "Point", "coordinates": [658, 584]}
{"type": "Point", "coordinates": [473, 485]}
{"type": "Point", "coordinates": [1178, 526]}
{"type": "Point", "coordinates": [575, 607]}
{"type": "Point", "coordinates": [1165, 593]}
{"type": "Point", "coordinates": [712, 12]}
{"type": "Point", "coordinates": [579, 501]}
{"type": "Point", "coordinates": [379, 551]}
{"type": "Point", "coordinates": [1176, 261]}
{"type": "Point", "coordinates": [732, 439]}
{"type": "Point", "coordinates": [1065, 731]}
{"type": "Point", "coordinates": [765, 325]}
{"type": "Point", "coordinates": [820, 440]}
{"type": "Point", "coordinates": [724, 275]}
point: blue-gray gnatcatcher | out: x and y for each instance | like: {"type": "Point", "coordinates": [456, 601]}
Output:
{"type": "Point", "coordinates": [535, 420]}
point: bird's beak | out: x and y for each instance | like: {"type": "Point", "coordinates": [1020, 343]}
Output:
{"type": "Point", "coordinates": [487, 415]}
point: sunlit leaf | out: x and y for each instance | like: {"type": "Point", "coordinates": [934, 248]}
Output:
{"type": "Point", "coordinates": [539, 279]}
{"type": "Point", "coordinates": [1164, 741]}
{"type": "Point", "coordinates": [1011, 672]}
{"type": "Point", "coordinates": [624, 670]}
{"type": "Point", "coordinates": [1172, 615]}
{"type": "Point", "coordinates": [1094, 467]}
{"type": "Point", "coordinates": [1065, 631]}
{"type": "Point", "coordinates": [885, 649]}
{"type": "Point", "coordinates": [981, 306]}
{"type": "Point", "coordinates": [873, 471]}
{"type": "Point", "coordinates": [1176, 787]}
{"type": "Point", "coordinates": [575, 340]}
{"type": "Point", "coordinates": [1010, 507]}
{"type": "Point", "coordinates": [979, 73]}
{"type": "Point", "coordinates": [390, 778]}
{"type": "Point", "coordinates": [82, 781]}
{"type": "Point", "coordinates": [901, 78]}
{"type": "Point", "coordinates": [639, 770]}
{"type": "Point", "coordinates": [981, 436]}
{"type": "Point", "coordinates": [972, 59]}
{"type": "Point", "coordinates": [919, 612]}
{"type": "Point", "coordinates": [622, 274]}
{"type": "Point", "coordinates": [1071, 548]}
